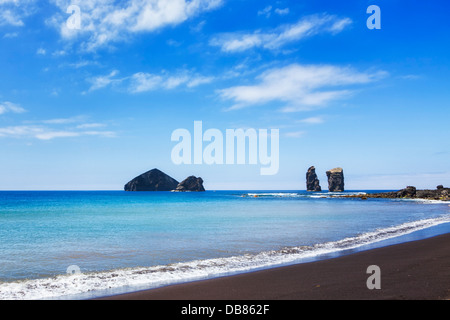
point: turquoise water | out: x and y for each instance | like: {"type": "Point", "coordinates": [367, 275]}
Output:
{"type": "Point", "coordinates": [124, 241]}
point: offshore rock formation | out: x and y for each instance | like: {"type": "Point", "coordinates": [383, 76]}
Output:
{"type": "Point", "coordinates": [153, 180]}
{"type": "Point", "coordinates": [312, 182]}
{"type": "Point", "coordinates": [191, 184]}
{"type": "Point", "coordinates": [440, 193]}
{"type": "Point", "coordinates": [336, 180]}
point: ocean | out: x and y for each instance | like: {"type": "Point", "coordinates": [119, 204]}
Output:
{"type": "Point", "coordinates": [86, 244]}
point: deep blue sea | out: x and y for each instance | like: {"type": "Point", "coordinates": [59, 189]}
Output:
{"type": "Point", "coordinates": [113, 242]}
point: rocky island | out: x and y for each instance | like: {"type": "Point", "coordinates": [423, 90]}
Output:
{"type": "Point", "coordinates": [153, 180]}
{"type": "Point", "coordinates": [312, 182]}
{"type": "Point", "coordinates": [191, 184]}
{"type": "Point", "coordinates": [156, 180]}
{"type": "Point", "coordinates": [336, 180]}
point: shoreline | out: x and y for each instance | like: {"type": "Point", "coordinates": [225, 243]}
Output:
{"type": "Point", "coordinates": [414, 270]}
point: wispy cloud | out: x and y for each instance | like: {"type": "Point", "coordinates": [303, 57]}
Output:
{"type": "Point", "coordinates": [282, 12]}
{"type": "Point", "coordinates": [100, 82]}
{"type": "Point", "coordinates": [7, 106]}
{"type": "Point", "coordinates": [41, 51]}
{"type": "Point", "coordinates": [312, 120]}
{"type": "Point", "coordinates": [295, 134]}
{"type": "Point", "coordinates": [265, 12]}
{"type": "Point", "coordinates": [56, 128]}
{"type": "Point", "coordinates": [45, 133]}
{"type": "Point", "coordinates": [10, 35]}
{"type": "Point", "coordinates": [144, 81]}
{"type": "Point", "coordinates": [410, 77]}
{"type": "Point", "coordinates": [90, 125]}
{"type": "Point", "coordinates": [276, 38]}
{"type": "Point", "coordinates": [13, 12]}
{"type": "Point", "coordinates": [64, 120]}
{"type": "Point", "coordinates": [104, 22]}
{"type": "Point", "coordinates": [299, 87]}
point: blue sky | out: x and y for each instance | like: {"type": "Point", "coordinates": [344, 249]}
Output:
{"type": "Point", "coordinates": [91, 108]}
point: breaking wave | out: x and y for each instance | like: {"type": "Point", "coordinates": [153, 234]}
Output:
{"type": "Point", "coordinates": [297, 195]}
{"type": "Point", "coordinates": [88, 285]}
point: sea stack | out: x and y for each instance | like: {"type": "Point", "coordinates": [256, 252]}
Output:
{"type": "Point", "coordinates": [312, 182]}
{"type": "Point", "coordinates": [191, 184]}
{"type": "Point", "coordinates": [153, 180]}
{"type": "Point", "coordinates": [336, 180]}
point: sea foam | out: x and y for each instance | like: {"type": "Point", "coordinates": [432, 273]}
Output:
{"type": "Point", "coordinates": [89, 285]}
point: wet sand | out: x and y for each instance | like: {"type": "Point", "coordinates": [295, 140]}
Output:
{"type": "Point", "coordinates": [415, 270]}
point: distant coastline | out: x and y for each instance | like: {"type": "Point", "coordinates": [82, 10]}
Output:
{"type": "Point", "coordinates": [439, 194]}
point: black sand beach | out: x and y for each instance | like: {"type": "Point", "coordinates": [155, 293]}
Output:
{"type": "Point", "coordinates": [418, 270]}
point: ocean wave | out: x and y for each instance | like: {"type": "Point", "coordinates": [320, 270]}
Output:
{"type": "Point", "coordinates": [321, 195]}
{"type": "Point", "coordinates": [298, 195]}
{"type": "Point", "coordinates": [425, 201]}
{"type": "Point", "coordinates": [273, 195]}
{"type": "Point", "coordinates": [132, 279]}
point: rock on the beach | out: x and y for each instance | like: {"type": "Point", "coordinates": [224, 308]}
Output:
{"type": "Point", "coordinates": [410, 192]}
{"type": "Point", "coordinates": [336, 180]}
{"type": "Point", "coordinates": [153, 180]}
{"type": "Point", "coordinates": [191, 184]}
{"type": "Point", "coordinates": [312, 182]}
{"type": "Point", "coordinates": [440, 193]}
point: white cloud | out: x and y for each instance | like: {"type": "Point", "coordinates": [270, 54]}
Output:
{"type": "Point", "coordinates": [56, 128]}
{"type": "Point", "coordinates": [265, 12]}
{"type": "Point", "coordinates": [299, 87]}
{"type": "Point", "coordinates": [10, 107]}
{"type": "Point", "coordinates": [282, 12]}
{"type": "Point", "coordinates": [64, 120]}
{"type": "Point", "coordinates": [276, 38]}
{"type": "Point", "coordinates": [199, 26]}
{"type": "Point", "coordinates": [104, 22]}
{"type": "Point", "coordinates": [340, 25]}
{"type": "Point", "coordinates": [45, 133]}
{"type": "Point", "coordinates": [104, 81]}
{"type": "Point", "coordinates": [141, 82]}
{"type": "Point", "coordinates": [410, 77]}
{"type": "Point", "coordinates": [59, 53]}
{"type": "Point", "coordinates": [295, 134]}
{"type": "Point", "coordinates": [41, 51]}
{"type": "Point", "coordinates": [198, 80]}
{"type": "Point", "coordinates": [90, 125]}
{"type": "Point", "coordinates": [312, 120]}
{"type": "Point", "coordinates": [13, 12]}
{"type": "Point", "coordinates": [10, 35]}
{"type": "Point", "coordinates": [144, 82]}
{"type": "Point", "coordinates": [8, 17]}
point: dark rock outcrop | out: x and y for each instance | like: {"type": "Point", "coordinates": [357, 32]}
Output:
{"type": "Point", "coordinates": [312, 182]}
{"type": "Point", "coordinates": [153, 180]}
{"type": "Point", "coordinates": [440, 193]}
{"type": "Point", "coordinates": [191, 184]}
{"type": "Point", "coordinates": [408, 192]}
{"type": "Point", "coordinates": [336, 180]}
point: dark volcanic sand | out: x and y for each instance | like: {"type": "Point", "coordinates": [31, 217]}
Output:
{"type": "Point", "coordinates": [412, 270]}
